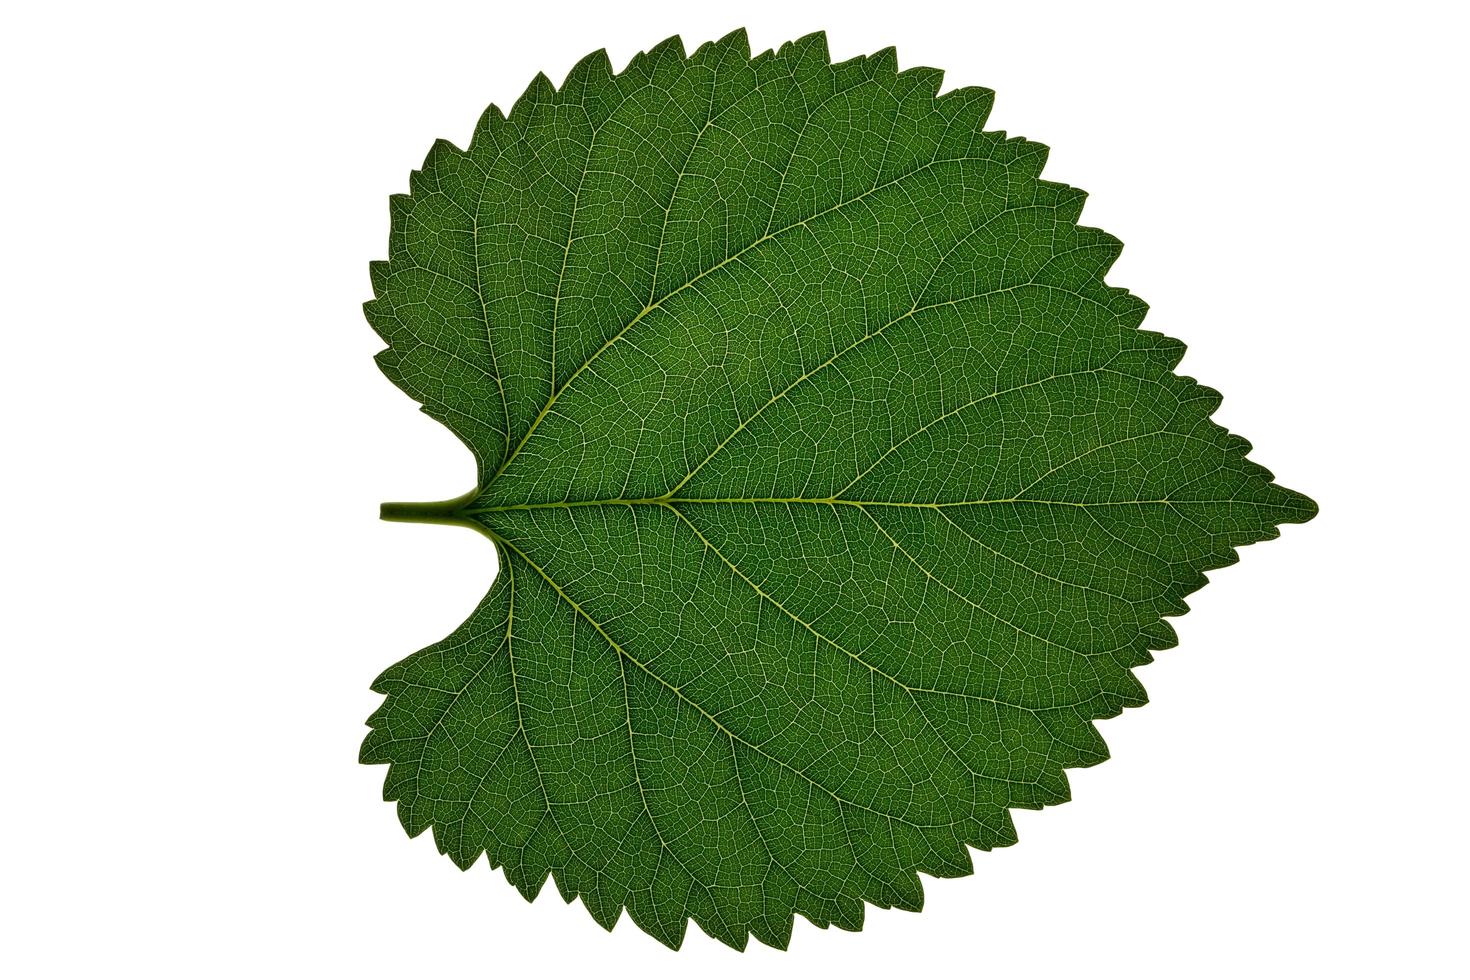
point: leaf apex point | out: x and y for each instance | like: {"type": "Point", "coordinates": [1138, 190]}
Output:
{"type": "Point", "coordinates": [1310, 508]}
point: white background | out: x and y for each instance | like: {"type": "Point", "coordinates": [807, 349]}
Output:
{"type": "Point", "coordinates": [197, 591]}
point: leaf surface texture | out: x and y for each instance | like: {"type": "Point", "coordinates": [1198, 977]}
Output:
{"type": "Point", "coordinates": [835, 493]}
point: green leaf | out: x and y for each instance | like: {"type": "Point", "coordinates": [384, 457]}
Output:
{"type": "Point", "coordinates": [835, 494]}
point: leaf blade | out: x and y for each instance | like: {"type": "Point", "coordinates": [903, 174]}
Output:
{"type": "Point", "coordinates": [836, 493]}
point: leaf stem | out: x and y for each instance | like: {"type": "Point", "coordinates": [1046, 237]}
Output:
{"type": "Point", "coordinates": [431, 512]}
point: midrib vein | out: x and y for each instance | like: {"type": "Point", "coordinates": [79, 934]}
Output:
{"type": "Point", "coordinates": [845, 502]}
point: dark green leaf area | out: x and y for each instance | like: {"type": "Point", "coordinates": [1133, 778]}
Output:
{"type": "Point", "coordinates": [835, 493]}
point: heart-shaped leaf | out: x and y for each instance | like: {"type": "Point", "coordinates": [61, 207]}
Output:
{"type": "Point", "coordinates": [835, 494]}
